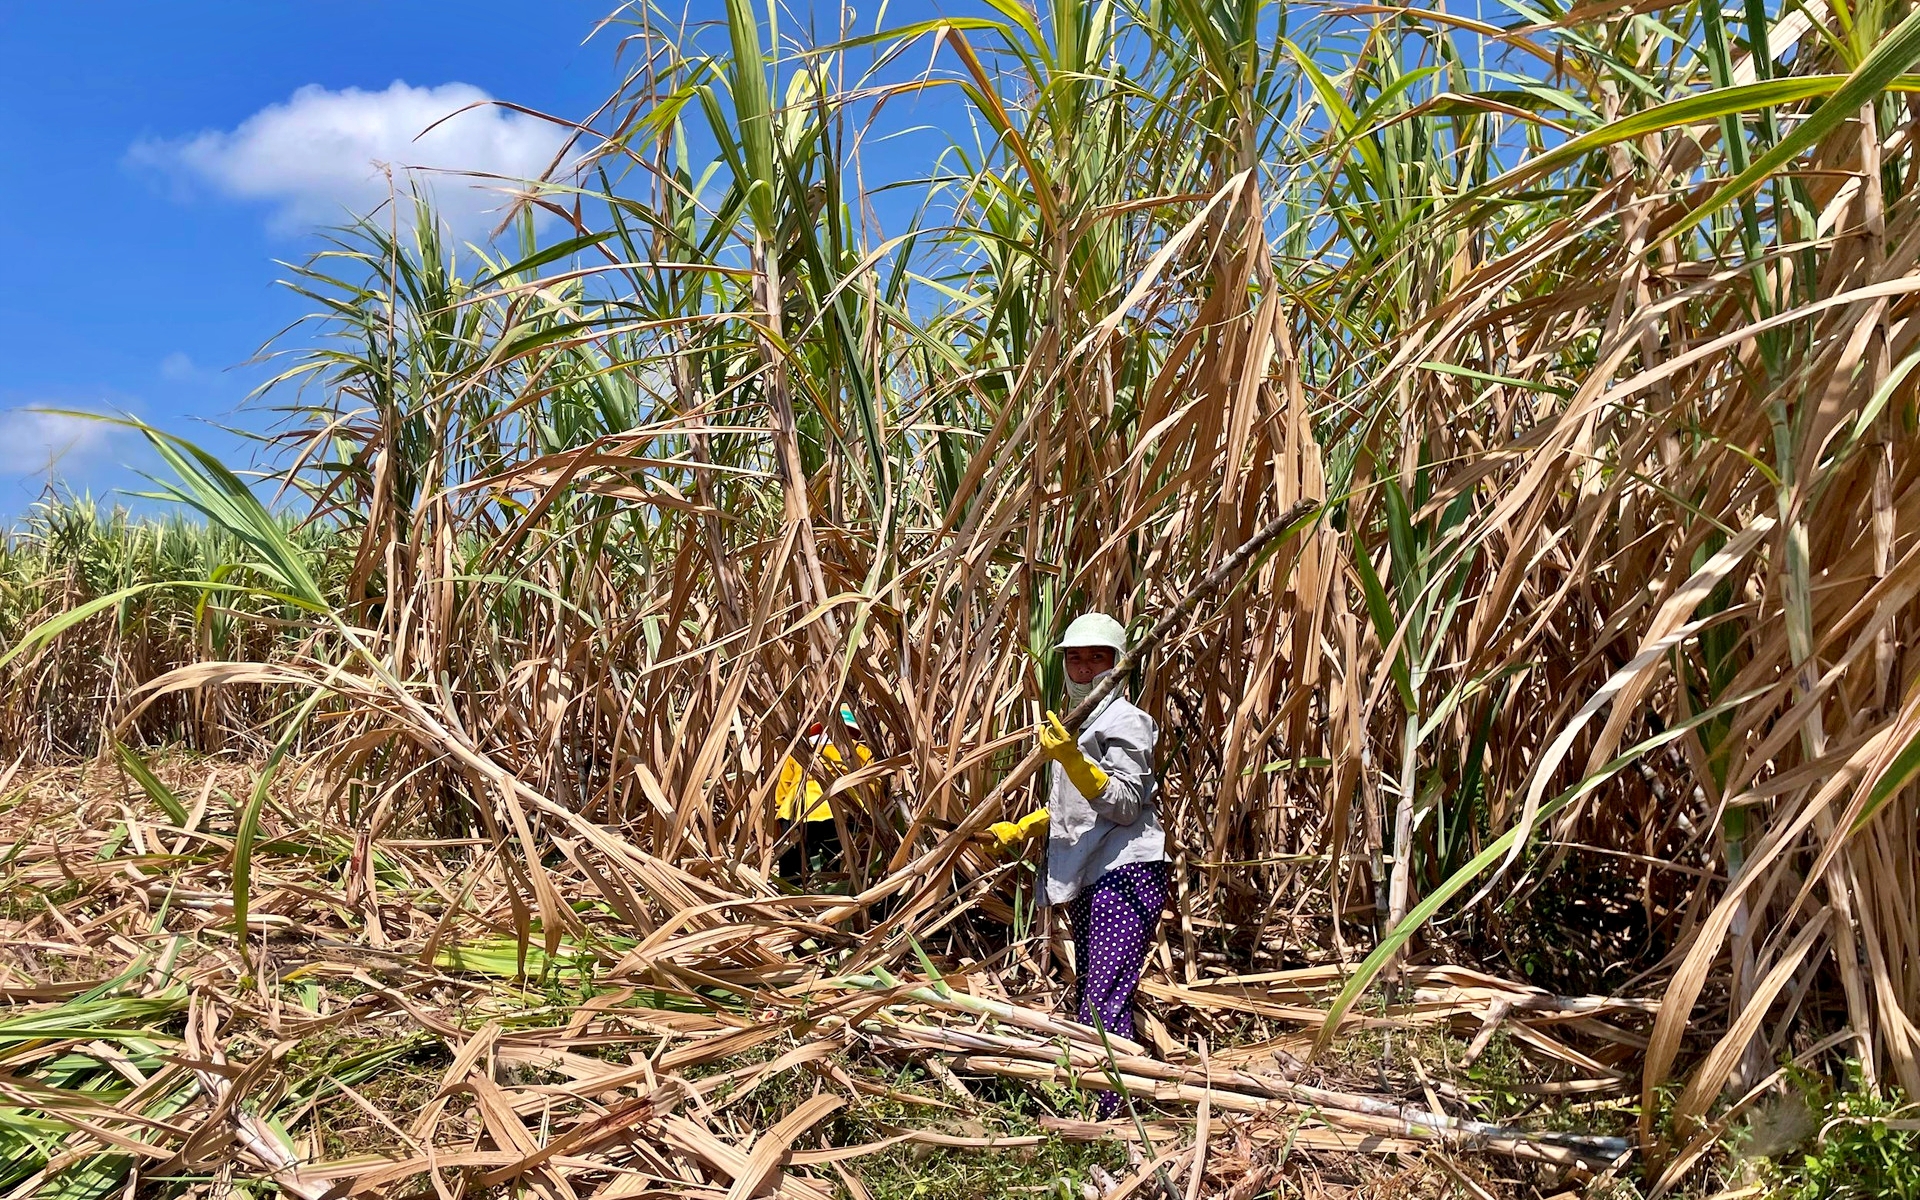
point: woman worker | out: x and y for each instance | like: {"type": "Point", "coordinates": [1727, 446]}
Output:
{"type": "Point", "coordinates": [800, 799]}
{"type": "Point", "coordinates": [1106, 851]}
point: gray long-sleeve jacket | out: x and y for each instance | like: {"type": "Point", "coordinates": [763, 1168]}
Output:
{"type": "Point", "coordinates": [1087, 838]}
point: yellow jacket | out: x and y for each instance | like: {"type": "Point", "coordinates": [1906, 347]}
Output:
{"type": "Point", "coordinates": [819, 808]}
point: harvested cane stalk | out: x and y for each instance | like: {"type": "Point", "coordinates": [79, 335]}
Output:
{"type": "Point", "coordinates": [1147, 1078]}
{"type": "Point", "coordinates": [1074, 1055]}
{"type": "Point", "coordinates": [1513, 1142]}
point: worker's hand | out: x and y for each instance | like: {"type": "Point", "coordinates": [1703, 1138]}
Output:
{"type": "Point", "coordinates": [1008, 835]}
{"type": "Point", "coordinates": [1012, 836]}
{"type": "Point", "coordinates": [1055, 742]}
{"type": "Point", "coordinates": [1060, 746]}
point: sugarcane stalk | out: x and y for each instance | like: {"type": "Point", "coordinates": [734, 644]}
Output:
{"type": "Point", "coordinates": [1291, 520]}
{"type": "Point", "coordinates": [1088, 1062]}
{"type": "Point", "coordinates": [1514, 1142]}
{"type": "Point", "coordinates": [1070, 1052]}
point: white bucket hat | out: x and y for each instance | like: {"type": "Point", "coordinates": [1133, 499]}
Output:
{"type": "Point", "coordinates": [1095, 629]}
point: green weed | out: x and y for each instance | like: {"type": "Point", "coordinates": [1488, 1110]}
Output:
{"type": "Point", "coordinates": [1824, 1143]}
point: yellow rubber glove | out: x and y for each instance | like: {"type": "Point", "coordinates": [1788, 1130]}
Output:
{"type": "Point", "coordinates": [1061, 747]}
{"type": "Point", "coordinates": [1013, 835]}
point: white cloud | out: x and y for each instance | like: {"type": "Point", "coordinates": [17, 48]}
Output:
{"type": "Point", "coordinates": [178, 367]}
{"type": "Point", "coordinates": [323, 153]}
{"type": "Point", "coordinates": [38, 443]}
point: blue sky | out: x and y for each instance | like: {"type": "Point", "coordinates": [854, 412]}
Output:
{"type": "Point", "coordinates": [162, 156]}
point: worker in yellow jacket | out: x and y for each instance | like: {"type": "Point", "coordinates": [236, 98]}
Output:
{"type": "Point", "coordinates": [800, 798]}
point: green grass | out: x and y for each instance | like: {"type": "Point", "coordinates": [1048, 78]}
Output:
{"type": "Point", "coordinates": [400, 1075]}
{"type": "Point", "coordinates": [1054, 1168]}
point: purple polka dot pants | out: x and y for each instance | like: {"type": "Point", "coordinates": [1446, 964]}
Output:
{"type": "Point", "coordinates": [1113, 925]}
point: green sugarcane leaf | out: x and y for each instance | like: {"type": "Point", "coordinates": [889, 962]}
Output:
{"type": "Point", "coordinates": [1397, 938]}
{"type": "Point", "coordinates": [156, 791]}
{"type": "Point", "coordinates": [249, 823]}
{"type": "Point", "coordinates": [1383, 623]}
{"type": "Point", "coordinates": [1702, 109]}
{"type": "Point", "coordinates": [1880, 72]}
{"type": "Point", "coordinates": [1904, 768]}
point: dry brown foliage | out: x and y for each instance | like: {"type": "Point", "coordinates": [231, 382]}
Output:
{"type": "Point", "coordinates": [1600, 633]}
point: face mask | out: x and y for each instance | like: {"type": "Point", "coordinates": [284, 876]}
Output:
{"type": "Point", "coordinates": [1076, 692]}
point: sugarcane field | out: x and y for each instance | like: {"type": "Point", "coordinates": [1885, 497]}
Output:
{"type": "Point", "coordinates": [1169, 599]}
